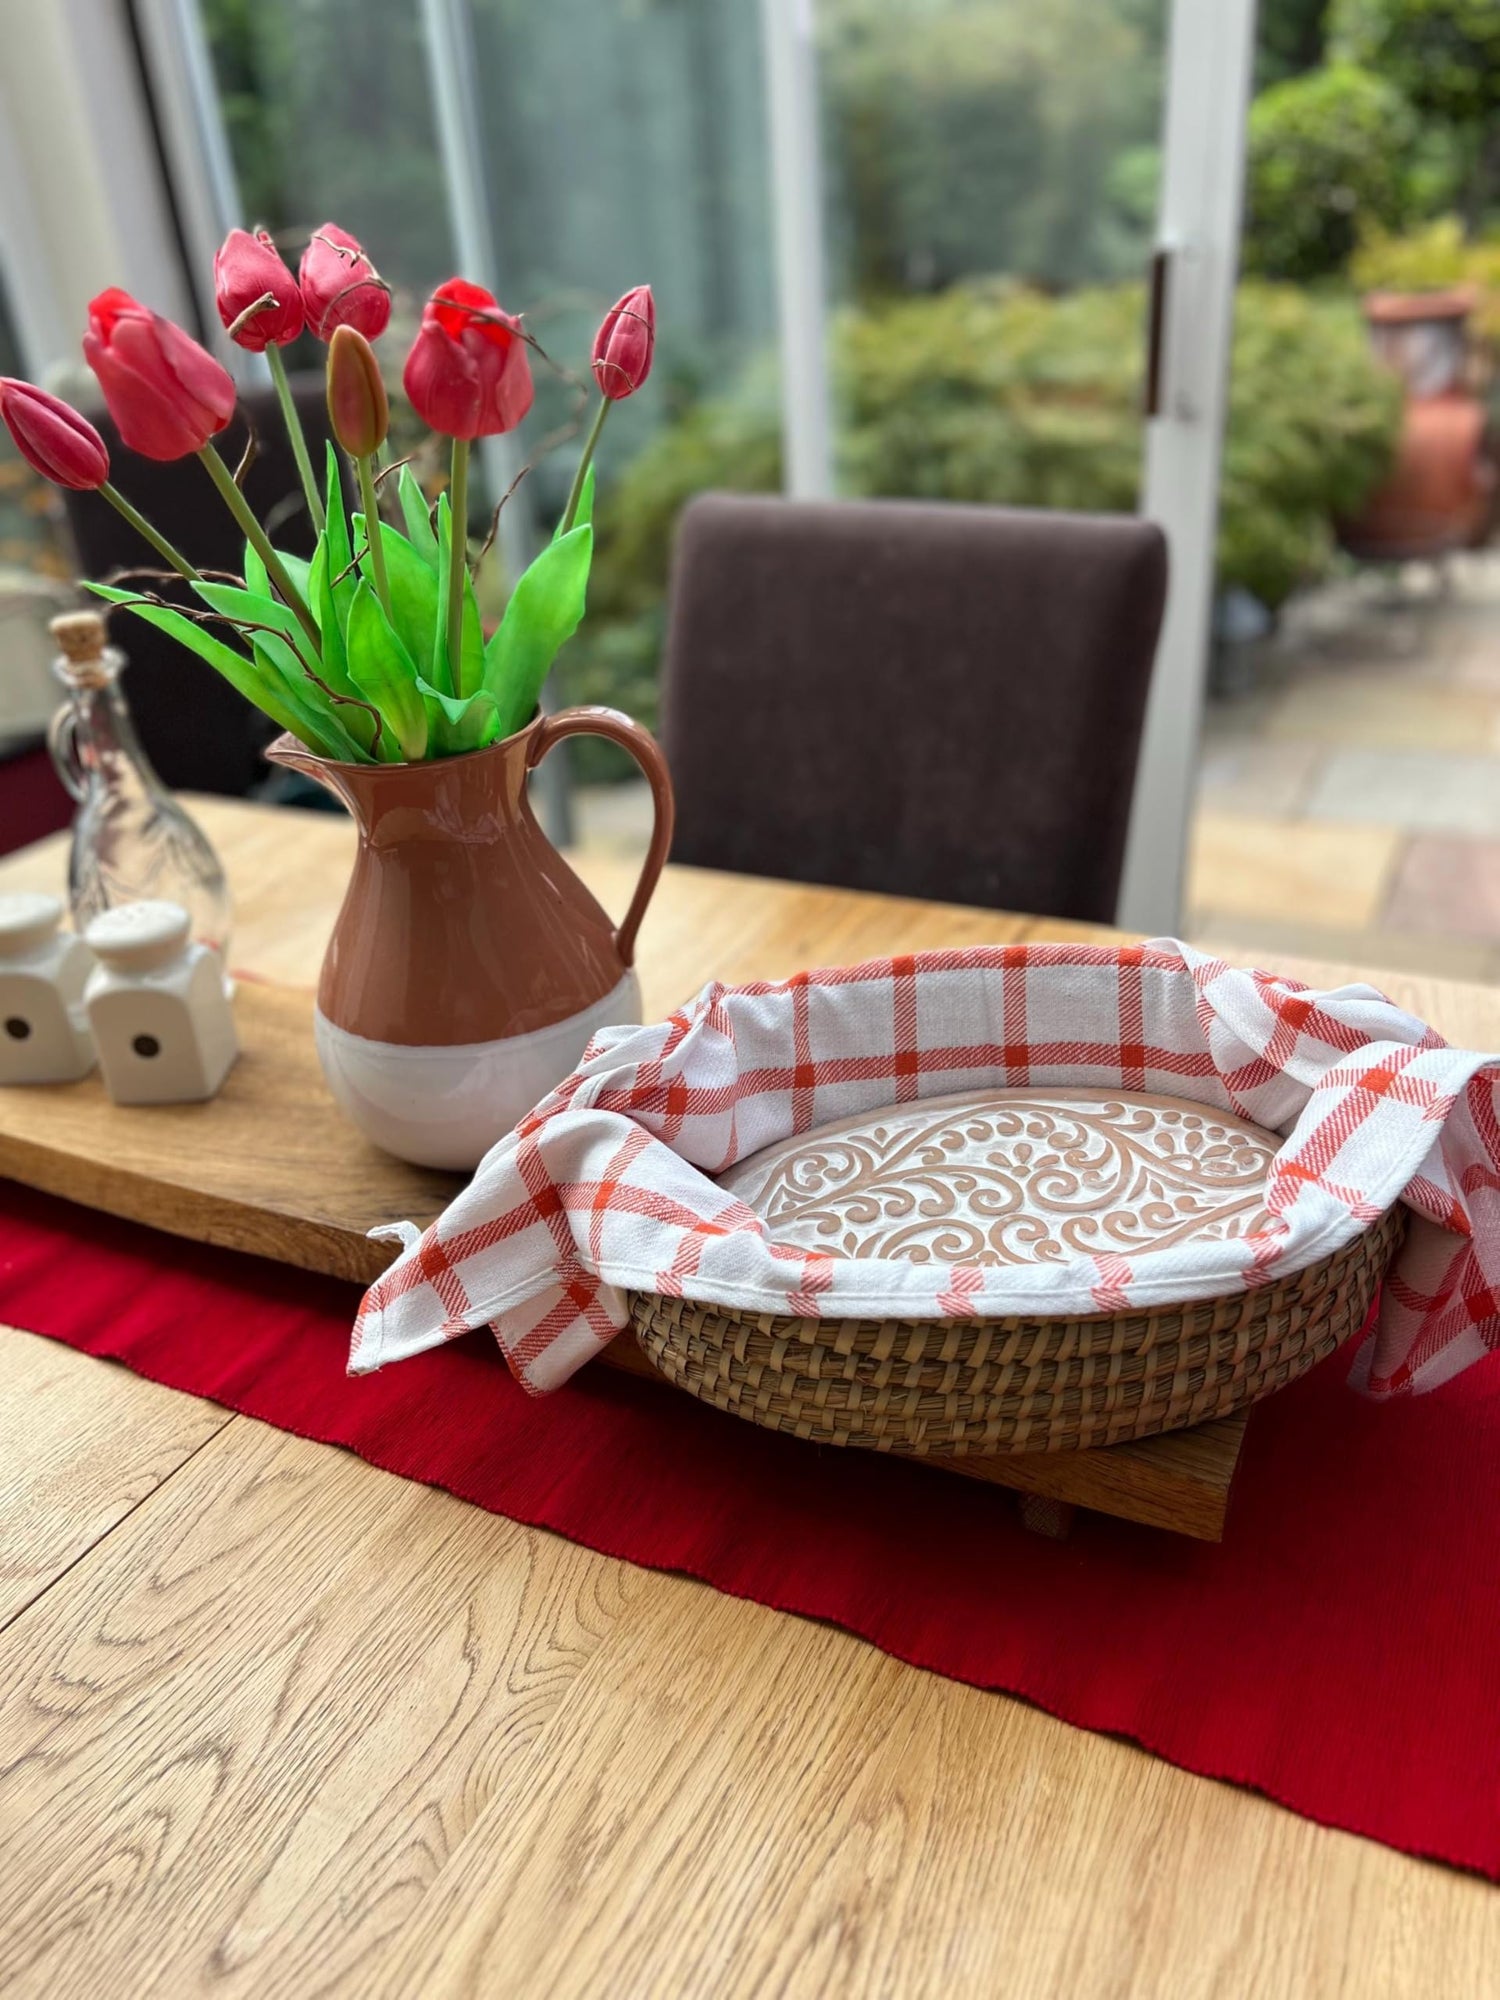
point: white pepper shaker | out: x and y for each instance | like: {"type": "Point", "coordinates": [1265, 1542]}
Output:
{"type": "Point", "coordinates": [44, 1036]}
{"type": "Point", "coordinates": [157, 1006]}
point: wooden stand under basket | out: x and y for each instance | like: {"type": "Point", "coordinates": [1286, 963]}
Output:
{"type": "Point", "coordinates": [271, 1167]}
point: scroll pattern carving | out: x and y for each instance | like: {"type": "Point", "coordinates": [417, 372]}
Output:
{"type": "Point", "coordinates": [1014, 1177]}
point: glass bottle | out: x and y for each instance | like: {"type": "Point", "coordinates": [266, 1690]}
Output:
{"type": "Point", "coordinates": [132, 841]}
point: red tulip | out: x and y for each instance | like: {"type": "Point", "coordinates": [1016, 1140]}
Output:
{"type": "Point", "coordinates": [341, 287]}
{"type": "Point", "coordinates": [623, 344]}
{"type": "Point", "coordinates": [167, 396]}
{"type": "Point", "coordinates": [467, 374]}
{"type": "Point", "coordinates": [247, 272]}
{"type": "Point", "coordinates": [52, 438]}
{"type": "Point", "coordinates": [357, 405]}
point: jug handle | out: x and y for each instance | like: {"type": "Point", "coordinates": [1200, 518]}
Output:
{"type": "Point", "coordinates": [647, 752]}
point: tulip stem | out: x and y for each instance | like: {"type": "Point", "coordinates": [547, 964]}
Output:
{"type": "Point", "coordinates": [575, 491]}
{"type": "Point", "coordinates": [296, 436]}
{"type": "Point", "coordinates": [143, 527]}
{"type": "Point", "coordinates": [256, 536]}
{"type": "Point", "coordinates": [458, 549]}
{"type": "Point", "coordinates": [373, 537]}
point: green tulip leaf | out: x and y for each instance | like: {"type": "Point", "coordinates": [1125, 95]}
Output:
{"type": "Point", "coordinates": [414, 588]}
{"type": "Point", "coordinates": [386, 674]}
{"type": "Point", "coordinates": [285, 650]}
{"type": "Point", "coordinates": [335, 537]}
{"type": "Point", "coordinates": [357, 721]}
{"type": "Point", "coordinates": [256, 576]}
{"type": "Point", "coordinates": [258, 580]}
{"type": "Point", "coordinates": [325, 617]}
{"type": "Point", "coordinates": [543, 613]}
{"type": "Point", "coordinates": [459, 722]}
{"type": "Point", "coordinates": [257, 681]}
{"type": "Point", "coordinates": [285, 645]}
{"type": "Point", "coordinates": [471, 664]}
{"type": "Point", "coordinates": [418, 517]}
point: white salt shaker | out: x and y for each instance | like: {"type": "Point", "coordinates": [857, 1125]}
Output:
{"type": "Point", "coordinates": [44, 1037]}
{"type": "Point", "coordinates": [158, 1006]}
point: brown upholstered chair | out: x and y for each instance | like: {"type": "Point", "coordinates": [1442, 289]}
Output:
{"type": "Point", "coordinates": [931, 700]}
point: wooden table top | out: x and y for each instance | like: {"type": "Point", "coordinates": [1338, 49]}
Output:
{"type": "Point", "coordinates": [274, 1722]}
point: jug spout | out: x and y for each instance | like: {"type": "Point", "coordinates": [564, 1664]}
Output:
{"type": "Point", "coordinates": [295, 756]}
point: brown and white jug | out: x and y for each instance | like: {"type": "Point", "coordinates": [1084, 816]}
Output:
{"type": "Point", "coordinates": [469, 967]}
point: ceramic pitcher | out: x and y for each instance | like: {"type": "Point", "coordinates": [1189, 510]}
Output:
{"type": "Point", "coordinates": [469, 966]}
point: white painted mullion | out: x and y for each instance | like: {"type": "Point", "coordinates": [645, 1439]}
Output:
{"type": "Point", "coordinates": [1203, 161]}
{"type": "Point", "coordinates": [797, 227]}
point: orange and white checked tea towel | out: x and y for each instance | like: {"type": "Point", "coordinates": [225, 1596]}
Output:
{"type": "Point", "coordinates": [605, 1188]}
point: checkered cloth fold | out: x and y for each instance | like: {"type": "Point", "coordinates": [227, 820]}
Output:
{"type": "Point", "coordinates": [605, 1188]}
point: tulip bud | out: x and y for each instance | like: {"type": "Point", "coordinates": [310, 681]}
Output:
{"type": "Point", "coordinates": [256, 294]}
{"type": "Point", "coordinates": [52, 438]}
{"type": "Point", "coordinates": [357, 406]}
{"type": "Point", "coordinates": [341, 287]}
{"type": "Point", "coordinates": [467, 374]}
{"type": "Point", "coordinates": [167, 395]}
{"type": "Point", "coordinates": [624, 343]}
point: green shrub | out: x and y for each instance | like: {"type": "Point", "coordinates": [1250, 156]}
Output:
{"type": "Point", "coordinates": [993, 393]}
{"type": "Point", "coordinates": [1328, 153]}
{"type": "Point", "coordinates": [1312, 429]}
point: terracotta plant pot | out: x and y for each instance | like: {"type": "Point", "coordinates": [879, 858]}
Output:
{"type": "Point", "coordinates": [1440, 494]}
{"type": "Point", "coordinates": [469, 966]}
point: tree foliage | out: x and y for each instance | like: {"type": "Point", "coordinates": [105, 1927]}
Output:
{"type": "Point", "coordinates": [1328, 154]}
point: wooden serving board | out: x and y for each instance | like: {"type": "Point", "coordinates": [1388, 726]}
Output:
{"type": "Point", "coordinates": [271, 1166]}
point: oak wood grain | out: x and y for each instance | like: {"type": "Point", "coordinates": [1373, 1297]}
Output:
{"type": "Point", "coordinates": [82, 1442]}
{"type": "Point", "coordinates": [198, 1729]}
{"type": "Point", "coordinates": [778, 1809]}
{"type": "Point", "coordinates": [242, 1742]}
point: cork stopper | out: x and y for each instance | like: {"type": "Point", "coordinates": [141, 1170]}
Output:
{"type": "Point", "coordinates": [82, 635]}
{"type": "Point", "coordinates": [86, 660]}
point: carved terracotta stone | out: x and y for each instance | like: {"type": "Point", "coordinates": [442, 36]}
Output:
{"type": "Point", "coordinates": [1013, 1177]}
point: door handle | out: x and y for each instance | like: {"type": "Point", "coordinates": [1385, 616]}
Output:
{"type": "Point", "coordinates": [1156, 330]}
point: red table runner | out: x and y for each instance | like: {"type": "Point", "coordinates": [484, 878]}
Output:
{"type": "Point", "coordinates": [1340, 1651]}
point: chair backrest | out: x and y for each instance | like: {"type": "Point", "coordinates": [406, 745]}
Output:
{"type": "Point", "coordinates": [197, 731]}
{"type": "Point", "coordinates": [930, 700]}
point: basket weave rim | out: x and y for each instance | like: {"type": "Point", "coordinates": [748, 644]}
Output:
{"type": "Point", "coordinates": [938, 1387]}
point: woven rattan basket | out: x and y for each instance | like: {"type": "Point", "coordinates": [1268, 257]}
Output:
{"type": "Point", "coordinates": [948, 1388]}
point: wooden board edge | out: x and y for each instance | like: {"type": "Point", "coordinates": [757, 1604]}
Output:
{"type": "Point", "coordinates": [196, 1216]}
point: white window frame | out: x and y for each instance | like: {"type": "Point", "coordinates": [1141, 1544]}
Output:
{"type": "Point", "coordinates": [1210, 61]}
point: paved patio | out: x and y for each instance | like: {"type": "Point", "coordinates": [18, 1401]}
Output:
{"type": "Point", "coordinates": [1349, 804]}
